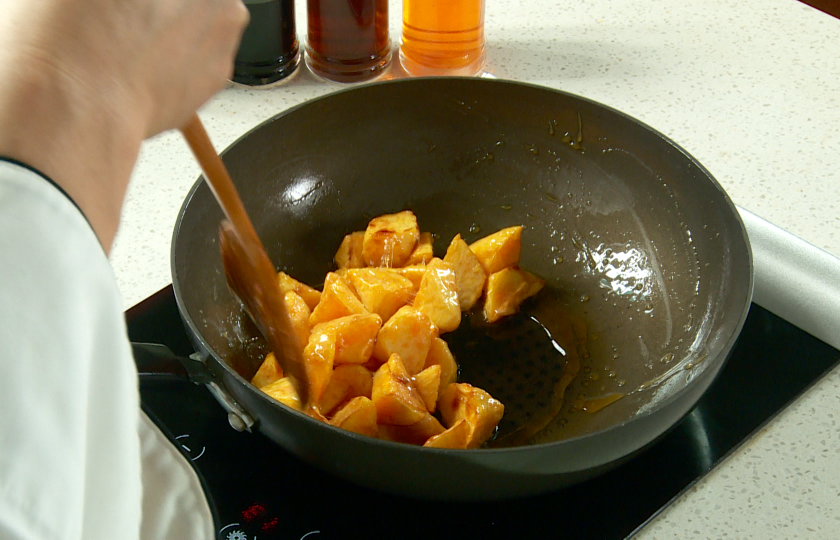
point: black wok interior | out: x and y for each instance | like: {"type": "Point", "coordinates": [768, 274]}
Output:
{"type": "Point", "coordinates": [637, 237]}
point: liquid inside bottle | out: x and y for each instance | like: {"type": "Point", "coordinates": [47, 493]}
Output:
{"type": "Point", "coordinates": [442, 37]}
{"type": "Point", "coordinates": [347, 40]}
{"type": "Point", "coordinates": [269, 49]}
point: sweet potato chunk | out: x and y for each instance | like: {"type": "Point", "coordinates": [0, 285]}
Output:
{"type": "Point", "coordinates": [268, 372]}
{"type": "Point", "coordinates": [373, 355]}
{"type": "Point", "coordinates": [507, 289]}
{"type": "Point", "coordinates": [390, 239]}
{"type": "Point", "coordinates": [414, 273]}
{"type": "Point", "coordinates": [427, 383]}
{"type": "Point", "coordinates": [469, 272]}
{"type": "Point", "coordinates": [284, 391]}
{"type": "Point", "coordinates": [288, 283]}
{"type": "Point", "coordinates": [381, 291]}
{"type": "Point", "coordinates": [337, 300]}
{"type": "Point", "coordinates": [416, 433]}
{"type": "Point", "coordinates": [437, 297]}
{"type": "Point", "coordinates": [346, 382]}
{"type": "Point", "coordinates": [477, 407]}
{"type": "Point", "coordinates": [358, 416]}
{"type": "Point", "coordinates": [355, 336]}
{"type": "Point", "coordinates": [349, 254]}
{"type": "Point", "coordinates": [318, 358]}
{"type": "Point", "coordinates": [373, 364]}
{"type": "Point", "coordinates": [440, 355]}
{"type": "Point", "coordinates": [456, 436]}
{"type": "Point", "coordinates": [314, 413]}
{"type": "Point", "coordinates": [407, 333]}
{"type": "Point", "coordinates": [396, 398]}
{"type": "Point", "coordinates": [500, 249]}
{"type": "Point", "coordinates": [299, 314]}
{"type": "Point", "coordinates": [423, 252]}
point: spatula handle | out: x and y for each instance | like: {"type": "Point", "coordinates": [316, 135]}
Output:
{"type": "Point", "coordinates": [217, 176]}
{"type": "Point", "coordinates": [247, 266]}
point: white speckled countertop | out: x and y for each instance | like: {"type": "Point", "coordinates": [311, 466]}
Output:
{"type": "Point", "coordinates": [751, 88]}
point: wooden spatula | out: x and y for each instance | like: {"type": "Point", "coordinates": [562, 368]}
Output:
{"type": "Point", "coordinates": [248, 269]}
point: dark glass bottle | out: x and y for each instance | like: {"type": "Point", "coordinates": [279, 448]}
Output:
{"type": "Point", "coordinates": [269, 49]}
{"type": "Point", "coordinates": [347, 40]}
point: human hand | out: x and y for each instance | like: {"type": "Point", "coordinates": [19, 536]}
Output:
{"type": "Point", "coordinates": [159, 58]}
{"type": "Point", "coordinates": [83, 82]}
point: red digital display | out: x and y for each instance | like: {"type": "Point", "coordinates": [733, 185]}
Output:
{"type": "Point", "coordinates": [253, 512]}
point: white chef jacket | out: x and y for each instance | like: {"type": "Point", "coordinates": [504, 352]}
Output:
{"type": "Point", "coordinates": [78, 458]}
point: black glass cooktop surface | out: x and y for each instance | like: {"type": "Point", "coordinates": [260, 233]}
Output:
{"type": "Point", "coordinates": [259, 491]}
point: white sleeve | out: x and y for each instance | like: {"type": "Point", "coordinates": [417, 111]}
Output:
{"type": "Point", "coordinates": [70, 453]}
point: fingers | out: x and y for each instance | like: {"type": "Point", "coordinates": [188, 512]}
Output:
{"type": "Point", "coordinates": [230, 34]}
{"type": "Point", "coordinates": [197, 59]}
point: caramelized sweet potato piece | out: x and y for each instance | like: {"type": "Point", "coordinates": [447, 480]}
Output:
{"type": "Point", "coordinates": [318, 357]}
{"type": "Point", "coordinates": [424, 251]}
{"type": "Point", "coordinates": [416, 433]}
{"type": "Point", "coordinates": [373, 364]}
{"type": "Point", "coordinates": [413, 273]}
{"type": "Point", "coordinates": [313, 412]}
{"type": "Point", "coordinates": [390, 239]}
{"type": "Point", "coordinates": [381, 290]}
{"type": "Point", "coordinates": [397, 400]}
{"type": "Point", "coordinates": [349, 254]}
{"type": "Point", "coordinates": [299, 314]}
{"type": "Point", "coordinates": [358, 416]}
{"type": "Point", "coordinates": [440, 355]}
{"type": "Point", "coordinates": [268, 372]}
{"type": "Point", "coordinates": [456, 436]}
{"type": "Point", "coordinates": [500, 249]}
{"type": "Point", "coordinates": [347, 381]}
{"type": "Point", "coordinates": [337, 300]}
{"type": "Point", "coordinates": [470, 275]}
{"type": "Point", "coordinates": [427, 383]}
{"type": "Point", "coordinates": [288, 283]}
{"type": "Point", "coordinates": [507, 289]}
{"type": "Point", "coordinates": [477, 407]}
{"type": "Point", "coordinates": [437, 297]}
{"type": "Point", "coordinates": [283, 391]}
{"type": "Point", "coordinates": [408, 333]}
{"type": "Point", "coordinates": [355, 336]}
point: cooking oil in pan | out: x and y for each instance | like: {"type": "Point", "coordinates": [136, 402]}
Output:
{"type": "Point", "coordinates": [527, 361]}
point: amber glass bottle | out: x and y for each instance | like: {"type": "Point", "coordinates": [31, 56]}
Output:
{"type": "Point", "coordinates": [442, 37]}
{"type": "Point", "coordinates": [268, 51]}
{"type": "Point", "coordinates": [347, 40]}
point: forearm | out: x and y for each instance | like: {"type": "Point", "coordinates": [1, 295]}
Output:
{"type": "Point", "coordinates": [53, 125]}
{"type": "Point", "coordinates": [53, 120]}
{"type": "Point", "coordinates": [83, 82]}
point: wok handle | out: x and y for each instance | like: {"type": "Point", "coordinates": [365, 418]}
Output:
{"type": "Point", "coordinates": [156, 360]}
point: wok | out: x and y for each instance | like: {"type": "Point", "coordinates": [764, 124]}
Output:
{"type": "Point", "coordinates": [635, 237]}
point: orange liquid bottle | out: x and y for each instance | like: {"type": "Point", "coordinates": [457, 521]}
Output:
{"type": "Point", "coordinates": [442, 37]}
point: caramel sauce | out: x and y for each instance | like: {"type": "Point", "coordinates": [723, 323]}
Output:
{"type": "Point", "coordinates": [569, 334]}
{"type": "Point", "coordinates": [593, 405]}
{"type": "Point", "coordinates": [527, 361]}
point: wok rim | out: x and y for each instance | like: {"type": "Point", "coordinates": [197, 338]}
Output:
{"type": "Point", "coordinates": [725, 350]}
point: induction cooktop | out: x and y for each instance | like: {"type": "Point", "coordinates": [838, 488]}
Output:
{"type": "Point", "coordinates": [259, 491]}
